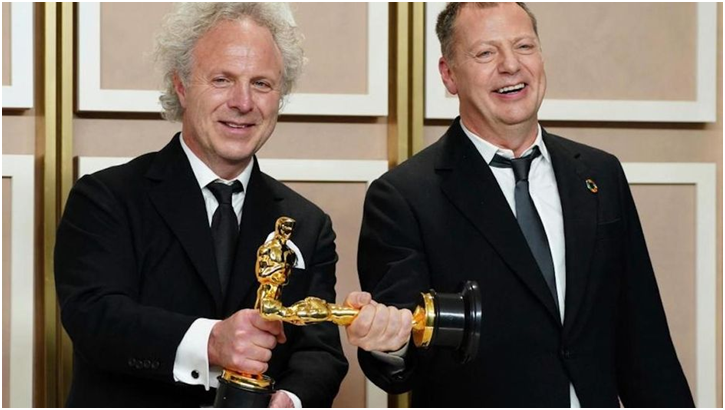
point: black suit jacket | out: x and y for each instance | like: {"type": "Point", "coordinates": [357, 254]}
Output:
{"type": "Point", "coordinates": [440, 218]}
{"type": "Point", "coordinates": [135, 266]}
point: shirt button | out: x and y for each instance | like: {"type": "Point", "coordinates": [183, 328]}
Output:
{"type": "Point", "coordinates": [195, 374]}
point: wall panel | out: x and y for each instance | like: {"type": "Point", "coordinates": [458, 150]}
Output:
{"type": "Point", "coordinates": [617, 53]}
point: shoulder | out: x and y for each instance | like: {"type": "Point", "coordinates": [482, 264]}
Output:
{"type": "Point", "coordinates": [125, 173]}
{"type": "Point", "coordinates": [593, 157]}
{"type": "Point", "coordinates": [418, 170]}
{"type": "Point", "coordinates": [292, 200]}
{"type": "Point", "coordinates": [120, 180]}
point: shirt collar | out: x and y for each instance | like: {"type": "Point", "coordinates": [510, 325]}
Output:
{"type": "Point", "coordinates": [204, 175]}
{"type": "Point", "coordinates": [488, 150]}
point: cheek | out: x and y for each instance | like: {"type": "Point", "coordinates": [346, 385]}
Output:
{"type": "Point", "coordinates": [268, 104]}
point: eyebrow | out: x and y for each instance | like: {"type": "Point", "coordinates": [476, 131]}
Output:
{"type": "Point", "coordinates": [495, 42]}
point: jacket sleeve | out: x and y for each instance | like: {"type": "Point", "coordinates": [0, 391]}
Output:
{"type": "Point", "coordinates": [648, 371]}
{"type": "Point", "coordinates": [392, 266]}
{"type": "Point", "coordinates": [317, 363]}
{"type": "Point", "coordinates": [98, 286]}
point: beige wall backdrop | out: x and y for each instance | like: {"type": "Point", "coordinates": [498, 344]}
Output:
{"type": "Point", "coordinates": [615, 51]}
{"type": "Point", "coordinates": [6, 44]}
{"type": "Point", "coordinates": [7, 247]}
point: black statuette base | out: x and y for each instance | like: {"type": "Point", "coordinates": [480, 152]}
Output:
{"type": "Point", "coordinates": [233, 395]}
{"type": "Point", "coordinates": [458, 321]}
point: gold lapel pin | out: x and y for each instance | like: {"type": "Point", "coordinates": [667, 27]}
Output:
{"type": "Point", "coordinates": [591, 186]}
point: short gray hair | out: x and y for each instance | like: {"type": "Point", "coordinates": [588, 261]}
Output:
{"type": "Point", "coordinates": [190, 21]}
{"type": "Point", "coordinates": [445, 25]}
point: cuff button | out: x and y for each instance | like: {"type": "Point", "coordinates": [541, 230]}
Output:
{"type": "Point", "coordinates": [195, 374]}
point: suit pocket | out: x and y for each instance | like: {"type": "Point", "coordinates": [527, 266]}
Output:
{"type": "Point", "coordinates": [610, 229]}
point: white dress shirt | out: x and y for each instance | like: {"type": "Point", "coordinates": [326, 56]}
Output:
{"type": "Point", "coordinates": [545, 194]}
{"type": "Point", "coordinates": [191, 356]}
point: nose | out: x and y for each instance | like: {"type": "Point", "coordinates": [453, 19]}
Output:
{"type": "Point", "coordinates": [240, 98]}
{"type": "Point", "coordinates": [509, 63]}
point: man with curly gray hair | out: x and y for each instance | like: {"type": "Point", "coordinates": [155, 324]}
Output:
{"type": "Point", "coordinates": [154, 260]}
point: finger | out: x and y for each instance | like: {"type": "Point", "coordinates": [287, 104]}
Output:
{"type": "Point", "coordinates": [404, 332]}
{"type": "Point", "coordinates": [251, 366]}
{"type": "Point", "coordinates": [281, 337]}
{"type": "Point", "coordinates": [360, 327]}
{"type": "Point", "coordinates": [280, 399]}
{"type": "Point", "coordinates": [263, 340]}
{"type": "Point", "coordinates": [394, 323]}
{"type": "Point", "coordinates": [270, 326]}
{"type": "Point", "coordinates": [256, 353]}
{"type": "Point", "coordinates": [406, 319]}
{"type": "Point", "coordinates": [358, 299]}
{"type": "Point", "coordinates": [377, 329]}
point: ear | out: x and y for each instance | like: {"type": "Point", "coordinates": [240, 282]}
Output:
{"type": "Point", "coordinates": [447, 76]}
{"type": "Point", "coordinates": [180, 90]}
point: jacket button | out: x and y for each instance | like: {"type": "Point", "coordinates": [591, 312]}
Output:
{"type": "Point", "coordinates": [195, 374]}
{"type": "Point", "coordinates": [565, 354]}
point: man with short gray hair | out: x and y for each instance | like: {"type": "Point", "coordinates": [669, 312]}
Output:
{"type": "Point", "coordinates": [155, 259]}
{"type": "Point", "coordinates": [571, 313]}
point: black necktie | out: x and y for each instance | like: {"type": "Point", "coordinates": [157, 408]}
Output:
{"type": "Point", "coordinates": [224, 228]}
{"type": "Point", "coordinates": [528, 218]}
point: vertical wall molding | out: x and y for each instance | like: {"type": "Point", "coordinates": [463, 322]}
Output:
{"type": "Point", "coordinates": [64, 182]}
{"type": "Point", "coordinates": [46, 172]}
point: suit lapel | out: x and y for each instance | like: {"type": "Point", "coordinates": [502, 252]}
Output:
{"type": "Point", "coordinates": [180, 203]}
{"type": "Point", "coordinates": [469, 184]}
{"type": "Point", "coordinates": [259, 215]}
{"type": "Point", "coordinates": [579, 208]}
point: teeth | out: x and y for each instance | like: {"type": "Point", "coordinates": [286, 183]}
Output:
{"type": "Point", "coordinates": [232, 125]}
{"type": "Point", "coordinates": [510, 88]}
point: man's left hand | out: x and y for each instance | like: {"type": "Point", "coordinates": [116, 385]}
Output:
{"type": "Point", "coordinates": [280, 399]}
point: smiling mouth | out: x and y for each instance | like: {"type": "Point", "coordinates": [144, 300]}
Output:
{"type": "Point", "coordinates": [511, 89]}
{"type": "Point", "coordinates": [236, 125]}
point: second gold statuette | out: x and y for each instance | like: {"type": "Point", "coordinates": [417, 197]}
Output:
{"type": "Point", "coordinates": [442, 320]}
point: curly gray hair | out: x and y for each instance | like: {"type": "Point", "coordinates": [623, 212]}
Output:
{"type": "Point", "coordinates": [190, 21]}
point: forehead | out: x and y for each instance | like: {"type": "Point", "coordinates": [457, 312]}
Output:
{"type": "Point", "coordinates": [500, 22]}
{"type": "Point", "coordinates": [238, 42]}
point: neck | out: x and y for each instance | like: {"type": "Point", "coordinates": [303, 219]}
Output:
{"type": "Point", "coordinates": [221, 168]}
{"type": "Point", "coordinates": [227, 171]}
{"type": "Point", "coordinates": [516, 137]}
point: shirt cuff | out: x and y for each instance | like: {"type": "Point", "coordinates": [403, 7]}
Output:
{"type": "Point", "coordinates": [295, 400]}
{"type": "Point", "coordinates": [395, 359]}
{"type": "Point", "coordinates": [191, 364]}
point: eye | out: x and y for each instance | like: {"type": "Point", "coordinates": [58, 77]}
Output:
{"type": "Point", "coordinates": [220, 81]}
{"type": "Point", "coordinates": [262, 85]}
{"type": "Point", "coordinates": [526, 47]}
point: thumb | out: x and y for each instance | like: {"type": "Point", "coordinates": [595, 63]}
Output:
{"type": "Point", "coordinates": [358, 299]}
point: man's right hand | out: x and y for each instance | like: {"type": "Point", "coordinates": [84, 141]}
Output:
{"type": "Point", "coordinates": [244, 342]}
{"type": "Point", "coordinates": [377, 327]}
